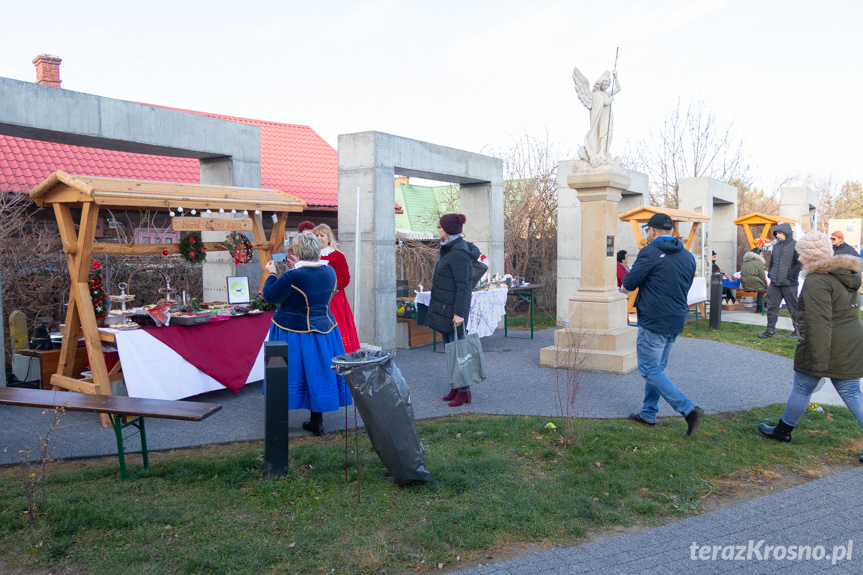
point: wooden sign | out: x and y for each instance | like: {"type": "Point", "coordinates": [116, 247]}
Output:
{"type": "Point", "coordinates": [181, 224]}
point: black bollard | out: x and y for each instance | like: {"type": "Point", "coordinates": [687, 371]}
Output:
{"type": "Point", "coordinates": [716, 301]}
{"type": "Point", "coordinates": [276, 408]}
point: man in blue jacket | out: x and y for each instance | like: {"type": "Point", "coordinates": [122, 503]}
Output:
{"type": "Point", "coordinates": [663, 273]}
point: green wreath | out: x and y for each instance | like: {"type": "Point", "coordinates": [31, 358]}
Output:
{"type": "Point", "coordinates": [240, 248]}
{"type": "Point", "coordinates": [192, 248]}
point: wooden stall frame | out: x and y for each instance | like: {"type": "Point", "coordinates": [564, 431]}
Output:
{"type": "Point", "coordinates": [759, 219]}
{"type": "Point", "coordinates": [639, 216]}
{"type": "Point", "coordinates": [64, 192]}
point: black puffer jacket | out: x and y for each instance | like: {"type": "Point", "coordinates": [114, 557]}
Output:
{"type": "Point", "coordinates": [784, 265]}
{"type": "Point", "coordinates": [831, 334]}
{"type": "Point", "coordinates": [451, 284]}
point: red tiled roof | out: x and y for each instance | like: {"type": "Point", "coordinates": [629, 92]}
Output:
{"type": "Point", "coordinates": [294, 159]}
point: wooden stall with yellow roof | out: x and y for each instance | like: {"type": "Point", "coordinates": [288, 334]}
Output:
{"type": "Point", "coordinates": [77, 202]}
{"type": "Point", "coordinates": [759, 219]}
{"type": "Point", "coordinates": [641, 215]}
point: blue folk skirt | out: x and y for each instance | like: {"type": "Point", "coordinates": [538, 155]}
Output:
{"type": "Point", "coordinates": [312, 384]}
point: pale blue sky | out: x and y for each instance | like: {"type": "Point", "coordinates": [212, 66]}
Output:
{"type": "Point", "coordinates": [467, 74]}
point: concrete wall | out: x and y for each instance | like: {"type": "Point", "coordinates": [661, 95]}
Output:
{"type": "Point", "coordinates": [368, 161]}
{"type": "Point", "coordinates": [795, 201]}
{"type": "Point", "coordinates": [229, 152]}
{"type": "Point", "coordinates": [719, 201]}
{"type": "Point", "coordinates": [569, 232]}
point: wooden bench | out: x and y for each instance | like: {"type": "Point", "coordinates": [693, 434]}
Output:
{"type": "Point", "coordinates": [117, 407]}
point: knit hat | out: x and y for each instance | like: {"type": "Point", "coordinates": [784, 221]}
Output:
{"type": "Point", "coordinates": [452, 223]}
{"type": "Point", "coordinates": [305, 226]}
{"type": "Point", "coordinates": [815, 246]}
{"type": "Point", "coordinates": [839, 235]}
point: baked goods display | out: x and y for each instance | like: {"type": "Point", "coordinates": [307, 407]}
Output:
{"type": "Point", "coordinates": [122, 299]}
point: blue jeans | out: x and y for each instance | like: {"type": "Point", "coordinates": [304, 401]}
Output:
{"type": "Point", "coordinates": [653, 350]}
{"type": "Point", "coordinates": [449, 338]}
{"type": "Point", "coordinates": [801, 393]}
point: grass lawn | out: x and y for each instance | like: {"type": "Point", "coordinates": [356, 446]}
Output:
{"type": "Point", "coordinates": [502, 483]}
{"type": "Point", "coordinates": [504, 486]}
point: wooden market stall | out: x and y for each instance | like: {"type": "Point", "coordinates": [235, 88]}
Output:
{"type": "Point", "coordinates": [639, 216]}
{"type": "Point", "coordinates": [83, 197]}
{"type": "Point", "coordinates": [759, 219]}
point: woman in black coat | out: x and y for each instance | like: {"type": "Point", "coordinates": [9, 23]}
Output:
{"type": "Point", "coordinates": [451, 290]}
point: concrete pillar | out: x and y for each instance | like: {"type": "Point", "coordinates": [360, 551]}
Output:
{"type": "Point", "coordinates": [796, 202]}
{"type": "Point", "coordinates": [569, 254]}
{"type": "Point", "coordinates": [482, 205]}
{"type": "Point", "coordinates": [598, 337]}
{"type": "Point", "coordinates": [368, 161]}
{"type": "Point", "coordinates": [719, 201]}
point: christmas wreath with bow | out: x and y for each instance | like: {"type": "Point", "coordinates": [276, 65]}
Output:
{"type": "Point", "coordinates": [192, 248]}
{"type": "Point", "coordinates": [240, 248]}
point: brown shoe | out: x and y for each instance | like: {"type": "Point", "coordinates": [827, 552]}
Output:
{"type": "Point", "coordinates": [693, 420]}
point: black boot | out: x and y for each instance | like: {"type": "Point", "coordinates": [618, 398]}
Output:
{"type": "Point", "coordinates": [782, 431]}
{"type": "Point", "coordinates": [769, 332]}
{"type": "Point", "coordinates": [315, 424]}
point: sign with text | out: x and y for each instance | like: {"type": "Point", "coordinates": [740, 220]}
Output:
{"type": "Point", "coordinates": [609, 246]}
{"type": "Point", "coordinates": [182, 224]}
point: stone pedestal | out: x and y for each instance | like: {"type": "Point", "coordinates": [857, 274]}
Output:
{"type": "Point", "coordinates": [598, 337]}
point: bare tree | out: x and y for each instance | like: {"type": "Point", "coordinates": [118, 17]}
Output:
{"type": "Point", "coordinates": [530, 211]}
{"type": "Point", "coordinates": [690, 143]}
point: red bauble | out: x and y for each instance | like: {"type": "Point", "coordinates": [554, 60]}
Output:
{"type": "Point", "coordinates": [165, 252]}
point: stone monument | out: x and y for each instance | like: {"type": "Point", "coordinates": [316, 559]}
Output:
{"type": "Point", "coordinates": [598, 336]}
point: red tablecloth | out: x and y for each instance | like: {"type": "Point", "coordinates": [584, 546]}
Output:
{"type": "Point", "coordinates": [224, 350]}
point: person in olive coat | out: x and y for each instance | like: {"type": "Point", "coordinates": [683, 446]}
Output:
{"type": "Point", "coordinates": [752, 276]}
{"type": "Point", "coordinates": [831, 333]}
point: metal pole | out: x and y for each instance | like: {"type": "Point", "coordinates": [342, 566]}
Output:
{"type": "Point", "coordinates": [357, 266]}
{"type": "Point", "coordinates": [276, 413]}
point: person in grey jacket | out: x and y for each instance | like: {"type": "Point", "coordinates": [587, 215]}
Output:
{"type": "Point", "coordinates": [783, 271]}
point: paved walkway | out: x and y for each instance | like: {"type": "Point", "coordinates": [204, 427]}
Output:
{"type": "Point", "coordinates": [717, 376]}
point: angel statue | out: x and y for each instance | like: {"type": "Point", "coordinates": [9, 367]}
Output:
{"type": "Point", "coordinates": [598, 138]}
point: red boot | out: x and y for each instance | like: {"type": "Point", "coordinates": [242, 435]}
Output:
{"type": "Point", "coordinates": [451, 395]}
{"type": "Point", "coordinates": [461, 398]}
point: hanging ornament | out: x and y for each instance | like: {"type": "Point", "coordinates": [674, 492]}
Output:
{"type": "Point", "coordinates": [193, 211]}
{"type": "Point", "coordinates": [233, 211]}
{"type": "Point", "coordinates": [221, 210]}
{"type": "Point", "coordinates": [245, 212]}
{"type": "Point", "coordinates": [164, 252]}
{"type": "Point", "coordinates": [275, 217]}
{"type": "Point", "coordinates": [208, 211]}
{"type": "Point", "coordinates": [171, 213]}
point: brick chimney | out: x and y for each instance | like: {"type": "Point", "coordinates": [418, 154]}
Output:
{"type": "Point", "coordinates": [47, 70]}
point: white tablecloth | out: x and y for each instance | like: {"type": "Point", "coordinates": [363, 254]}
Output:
{"type": "Point", "coordinates": [486, 309]}
{"type": "Point", "coordinates": [153, 370]}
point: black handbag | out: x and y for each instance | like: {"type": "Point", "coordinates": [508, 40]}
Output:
{"type": "Point", "coordinates": [479, 270]}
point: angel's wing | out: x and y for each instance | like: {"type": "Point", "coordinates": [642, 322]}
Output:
{"type": "Point", "coordinates": [582, 88]}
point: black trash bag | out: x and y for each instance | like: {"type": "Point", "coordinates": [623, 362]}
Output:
{"type": "Point", "coordinates": [383, 399]}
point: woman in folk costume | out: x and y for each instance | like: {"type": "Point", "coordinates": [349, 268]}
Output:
{"type": "Point", "coordinates": [339, 306]}
{"type": "Point", "coordinates": [305, 322]}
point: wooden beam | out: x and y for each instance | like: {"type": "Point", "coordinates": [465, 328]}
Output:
{"type": "Point", "coordinates": [144, 249]}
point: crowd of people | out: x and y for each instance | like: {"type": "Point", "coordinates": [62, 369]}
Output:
{"type": "Point", "coordinates": [314, 316]}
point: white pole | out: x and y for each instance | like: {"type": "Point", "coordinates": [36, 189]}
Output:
{"type": "Point", "coordinates": [357, 267]}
